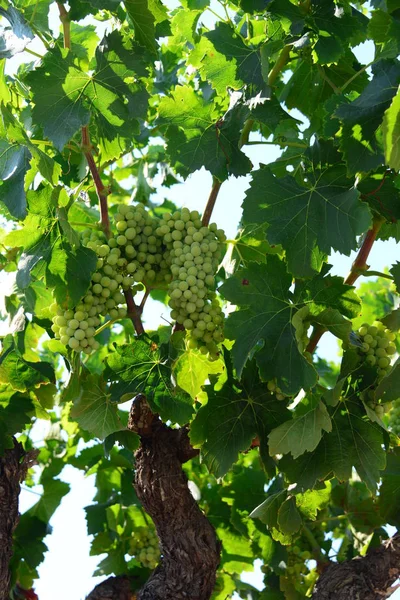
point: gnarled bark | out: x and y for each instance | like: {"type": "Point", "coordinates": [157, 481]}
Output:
{"type": "Point", "coordinates": [189, 546]}
{"type": "Point", "coordinates": [113, 588]}
{"type": "Point", "coordinates": [366, 578]}
{"type": "Point", "coordinates": [13, 466]}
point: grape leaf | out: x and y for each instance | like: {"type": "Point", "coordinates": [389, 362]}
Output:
{"type": "Point", "coordinates": [16, 38]}
{"type": "Point", "coordinates": [145, 14]}
{"type": "Point", "coordinates": [289, 518]}
{"type": "Point", "coordinates": [246, 60]}
{"type": "Point", "coordinates": [94, 410]}
{"type": "Point", "coordinates": [395, 272]}
{"type": "Point", "coordinates": [14, 164]}
{"type": "Point", "coordinates": [388, 387]}
{"type": "Point", "coordinates": [389, 492]}
{"type": "Point", "coordinates": [264, 325]}
{"type": "Point", "coordinates": [196, 139]}
{"type": "Point", "coordinates": [352, 442]}
{"type": "Point", "coordinates": [267, 512]}
{"type": "Point", "coordinates": [192, 369]}
{"type": "Point", "coordinates": [300, 434]}
{"type": "Point", "coordinates": [20, 374]}
{"type": "Point", "coordinates": [322, 215]}
{"type": "Point", "coordinates": [143, 368]}
{"type": "Point", "coordinates": [230, 420]}
{"type": "Point", "coordinates": [391, 133]}
{"type": "Point", "coordinates": [57, 86]}
{"type": "Point", "coordinates": [53, 492]}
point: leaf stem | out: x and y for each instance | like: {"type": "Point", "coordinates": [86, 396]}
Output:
{"type": "Point", "coordinates": [101, 190]}
{"type": "Point", "coordinates": [134, 312]}
{"type": "Point", "coordinates": [280, 63]}
{"type": "Point", "coordinates": [105, 326]}
{"type": "Point", "coordinates": [211, 201]}
{"type": "Point", "coordinates": [216, 14]}
{"type": "Point", "coordinates": [369, 273]}
{"type": "Point", "coordinates": [33, 53]}
{"type": "Point", "coordinates": [79, 224]}
{"type": "Point", "coordinates": [316, 335]}
{"type": "Point", "coordinates": [360, 263]}
{"type": "Point", "coordinates": [66, 23]}
{"type": "Point", "coordinates": [324, 76]}
{"type": "Point", "coordinates": [144, 299]}
{"type": "Point", "coordinates": [364, 68]}
{"type": "Point", "coordinates": [281, 144]}
{"type": "Point", "coordinates": [273, 74]}
{"type": "Point", "coordinates": [40, 36]}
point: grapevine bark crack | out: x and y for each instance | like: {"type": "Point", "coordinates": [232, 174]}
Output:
{"type": "Point", "coordinates": [13, 467]}
{"type": "Point", "coordinates": [368, 578]}
{"type": "Point", "coordinates": [188, 543]}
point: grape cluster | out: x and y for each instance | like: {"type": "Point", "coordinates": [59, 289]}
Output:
{"type": "Point", "coordinates": [144, 546]}
{"type": "Point", "coordinates": [301, 327]}
{"type": "Point", "coordinates": [140, 249]}
{"type": "Point", "coordinates": [394, 417]}
{"type": "Point", "coordinates": [176, 251]}
{"type": "Point", "coordinates": [377, 346]}
{"type": "Point", "coordinates": [274, 389]}
{"type": "Point", "coordinates": [194, 255]}
{"type": "Point", "coordinates": [75, 328]}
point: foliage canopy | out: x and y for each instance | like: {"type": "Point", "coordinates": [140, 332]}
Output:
{"type": "Point", "coordinates": [299, 458]}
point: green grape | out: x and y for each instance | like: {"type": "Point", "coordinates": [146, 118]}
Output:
{"type": "Point", "coordinates": [394, 417]}
{"type": "Point", "coordinates": [144, 546]}
{"type": "Point", "coordinates": [376, 342]}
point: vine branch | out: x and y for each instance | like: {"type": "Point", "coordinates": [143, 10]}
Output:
{"type": "Point", "coordinates": [212, 198]}
{"type": "Point", "coordinates": [358, 267]}
{"type": "Point", "coordinates": [101, 190]}
{"type": "Point", "coordinates": [134, 312]}
{"type": "Point", "coordinates": [66, 24]}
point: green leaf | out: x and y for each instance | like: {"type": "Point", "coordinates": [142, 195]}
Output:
{"type": "Point", "coordinates": [301, 434]}
{"type": "Point", "coordinates": [389, 492]}
{"type": "Point", "coordinates": [391, 133]}
{"type": "Point", "coordinates": [395, 272]}
{"type": "Point", "coordinates": [267, 512]}
{"type": "Point", "coordinates": [389, 387]}
{"type": "Point", "coordinates": [20, 35]}
{"type": "Point", "coordinates": [197, 139]}
{"type": "Point", "coordinates": [128, 439]}
{"type": "Point", "coordinates": [289, 518]}
{"type": "Point", "coordinates": [263, 324]}
{"type": "Point", "coordinates": [94, 410]}
{"type": "Point", "coordinates": [53, 492]}
{"type": "Point", "coordinates": [20, 374]}
{"type": "Point", "coordinates": [308, 220]}
{"type": "Point", "coordinates": [312, 501]}
{"type": "Point", "coordinates": [353, 442]}
{"type": "Point", "coordinates": [57, 86]}
{"type": "Point", "coordinates": [143, 368]}
{"type": "Point", "coordinates": [145, 14]}
{"type": "Point", "coordinates": [14, 164]}
{"type": "Point", "coordinates": [229, 421]}
{"type": "Point", "coordinates": [193, 368]}
{"type": "Point", "coordinates": [226, 44]}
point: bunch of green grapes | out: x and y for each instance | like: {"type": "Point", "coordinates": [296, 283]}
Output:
{"type": "Point", "coordinates": [377, 346]}
{"type": "Point", "coordinates": [140, 250]}
{"type": "Point", "coordinates": [195, 252]}
{"type": "Point", "coordinates": [274, 389]}
{"type": "Point", "coordinates": [75, 328]}
{"type": "Point", "coordinates": [301, 327]}
{"type": "Point", "coordinates": [394, 417]}
{"type": "Point", "coordinates": [144, 546]}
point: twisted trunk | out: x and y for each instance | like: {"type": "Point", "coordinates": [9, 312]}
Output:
{"type": "Point", "coordinates": [368, 578]}
{"type": "Point", "coordinates": [13, 466]}
{"type": "Point", "coordinates": [189, 547]}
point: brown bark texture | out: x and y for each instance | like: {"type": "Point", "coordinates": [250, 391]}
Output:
{"type": "Point", "coordinates": [368, 578]}
{"type": "Point", "coordinates": [113, 588]}
{"type": "Point", "coordinates": [13, 467]}
{"type": "Point", "coordinates": [189, 547]}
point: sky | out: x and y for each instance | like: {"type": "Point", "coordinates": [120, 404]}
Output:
{"type": "Point", "coordinates": [69, 544]}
